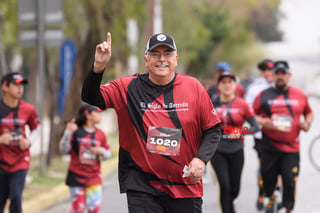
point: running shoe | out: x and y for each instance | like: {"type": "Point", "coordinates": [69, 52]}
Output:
{"type": "Point", "coordinates": [272, 206]}
{"type": "Point", "coordinates": [260, 204]}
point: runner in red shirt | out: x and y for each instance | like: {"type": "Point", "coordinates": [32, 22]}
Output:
{"type": "Point", "coordinates": [228, 160]}
{"type": "Point", "coordinates": [168, 129]}
{"type": "Point", "coordinates": [15, 115]}
{"type": "Point", "coordinates": [279, 109]}
{"type": "Point", "coordinates": [86, 144]}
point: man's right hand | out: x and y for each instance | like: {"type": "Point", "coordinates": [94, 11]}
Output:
{"type": "Point", "coordinates": [72, 126]}
{"type": "Point", "coordinates": [102, 55]}
{"type": "Point", "coordinates": [5, 138]}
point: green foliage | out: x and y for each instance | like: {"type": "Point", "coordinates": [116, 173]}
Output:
{"type": "Point", "coordinates": [209, 31]}
{"type": "Point", "coordinates": [9, 25]}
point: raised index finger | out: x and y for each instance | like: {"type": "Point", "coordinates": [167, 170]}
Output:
{"type": "Point", "coordinates": [109, 39]}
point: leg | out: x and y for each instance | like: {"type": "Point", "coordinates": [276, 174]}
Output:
{"type": "Point", "coordinates": [16, 186]}
{"type": "Point", "coordinates": [4, 191]}
{"type": "Point", "coordinates": [93, 198]}
{"type": "Point", "coordinates": [257, 147]}
{"type": "Point", "coordinates": [78, 199]}
{"type": "Point", "coordinates": [140, 202]}
{"type": "Point", "coordinates": [269, 171]}
{"type": "Point", "coordinates": [185, 205]}
{"type": "Point", "coordinates": [289, 174]}
{"type": "Point", "coordinates": [236, 161]}
{"type": "Point", "coordinates": [221, 168]}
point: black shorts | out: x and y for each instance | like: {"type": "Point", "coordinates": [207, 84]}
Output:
{"type": "Point", "coordinates": [141, 202]}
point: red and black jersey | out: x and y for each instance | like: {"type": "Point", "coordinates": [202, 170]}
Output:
{"type": "Point", "coordinates": [183, 105]}
{"type": "Point", "coordinates": [15, 120]}
{"type": "Point", "coordinates": [84, 167]}
{"type": "Point", "coordinates": [285, 109]}
{"type": "Point", "coordinates": [232, 114]}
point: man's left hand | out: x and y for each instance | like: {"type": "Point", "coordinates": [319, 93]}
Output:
{"type": "Point", "coordinates": [196, 169]}
{"type": "Point", "coordinates": [24, 144]}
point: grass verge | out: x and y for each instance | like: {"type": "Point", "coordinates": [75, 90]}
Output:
{"type": "Point", "coordinates": [55, 174]}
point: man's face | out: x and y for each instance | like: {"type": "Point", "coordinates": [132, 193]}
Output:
{"type": "Point", "coordinates": [267, 74]}
{"type": "Point", "coordinates": [13, 90]}
{"type": "Point", "coordinates": [161, 63]}
{"type": "Point", "coordinates": [281, 78]}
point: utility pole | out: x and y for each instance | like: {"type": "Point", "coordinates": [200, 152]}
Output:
{"type": "Point", "coordinates": [41, 79]}
{"type": "Point", "coordinates": [157, 18]}
{"type": "Point", "coordinates": [4, 67]}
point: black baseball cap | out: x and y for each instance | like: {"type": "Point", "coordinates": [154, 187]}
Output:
{"type": "Point", "coordinates": [226, 74]}
{"type": "Point", "coordinates": [87, 108]}
{"type": "Point", "coordinates": [281, 65]}
{"type": "Point", "coordinates": [13, 77]}
{"type": "Point", "coordinates": [266, 64]}
{"type": "Point", "coordinates": [160, 39]}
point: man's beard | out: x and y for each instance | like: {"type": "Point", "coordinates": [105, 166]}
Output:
{"type": "Point", "coordinates": [280, 85]}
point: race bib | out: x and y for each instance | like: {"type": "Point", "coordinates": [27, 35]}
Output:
{"type": "Point", "coordinates": [164, 141]}
{"type": "Point", "coordinates": [86, 156]}
{"type": "Point", "coordinates": [16, 135]}
{"type": "Point", "coordinates": [282, 122]}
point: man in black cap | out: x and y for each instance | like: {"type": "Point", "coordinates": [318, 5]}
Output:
{"type": "Point", "coordinates": [264, 82]}
{"type": "Point", "coordinates": [15, 115]}
{"type": "Point", "coordinates": [168, 128]}
{"type": "Point", "coordinates": [279, 110]}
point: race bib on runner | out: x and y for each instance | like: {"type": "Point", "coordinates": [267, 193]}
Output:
{"type": "Point", "coordinates": [164, 141]}
{"type": "Point", "coordinates": [86, 156]}
{"type": "Point", "coordinates": [282, 122]}
{"type": "Point", "coordinates": [16, 135]}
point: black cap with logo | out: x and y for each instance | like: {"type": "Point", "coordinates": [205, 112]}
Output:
{"type": "Point", "coordinates": [13, 77]}
{"type": "Point", "coordinates": [266, 64]}
{"type": "Point", "coordinates": [281, 65]}
{"type": "Point", "coordinates": [160, 39]}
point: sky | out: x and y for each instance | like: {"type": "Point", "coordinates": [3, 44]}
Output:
{"type": "Point", "coordinates": [300, 26]}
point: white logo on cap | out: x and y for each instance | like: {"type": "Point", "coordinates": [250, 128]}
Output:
{"type": "Point", "coordinates": [161, 37]}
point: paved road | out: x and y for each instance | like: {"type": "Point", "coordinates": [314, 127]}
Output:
{"type": "Point", "coordinates": [308, 187]}
{"type": "Point", "coordinates": [307, 199]}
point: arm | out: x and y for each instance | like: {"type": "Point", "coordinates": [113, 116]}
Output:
{"type": "Point", "coordinates": [34, 134]}
{"type": "Point", "coordinates": [305, 126]}
{"type": "Point", "coordinates": [254, 126]}
{"type": "Point", "coordinates": [265, 122]}
{"type": "Point", "coordinates": [210, 140]}
{"type": "Point", "coordinates": [64, 144]}
{"type": "Point", "coordinates": [5, 137]}
{"type": "Point", "coordinates": [90, 92]}
{"type": "Point", "coordinates": [91, 87]}
{"type": "Point", "coordinates": [103, 152]}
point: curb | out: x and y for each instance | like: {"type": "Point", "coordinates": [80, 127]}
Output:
{"type": "Point", "coordinates": [60, 192]}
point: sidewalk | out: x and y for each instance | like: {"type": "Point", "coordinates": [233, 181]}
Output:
{"type": "Point", "coordinates": [45, 200]}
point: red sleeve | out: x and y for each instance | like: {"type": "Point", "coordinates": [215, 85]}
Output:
{"type": "Point", "coordinates": [209, 117]}
{"type": "Point", "coordinates": [256, 104]}
{"type": "Point", "coordinates": [239, 90]}
{"type": "Point", "coordinates": [33, 120]}
{"type": "Point", "coordinates": [248, 110]}
{"type": "Point", "coordinates": [307, 108]}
